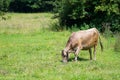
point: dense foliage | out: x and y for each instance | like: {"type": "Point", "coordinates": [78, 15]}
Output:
{"type": "Point", "coordinates": [31, 5]}
{"type": "Point", "coordinates": [4, 5]}
{"type": "Point", "coordinates": [91, 12]}
{"type": "Point", "coordinates": [88, 13]}
{"type": "Point", "coordinates": [26, 5]}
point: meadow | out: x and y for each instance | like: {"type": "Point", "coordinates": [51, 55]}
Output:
{"type": "Point", "coordinates": [29, 50]}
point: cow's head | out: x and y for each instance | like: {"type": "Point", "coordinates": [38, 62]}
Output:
{"type": "Point", "coordinates": [64, 56]}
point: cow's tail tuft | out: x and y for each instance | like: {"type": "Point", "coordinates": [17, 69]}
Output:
{"type": "Point", "coordinates": [101, 43]}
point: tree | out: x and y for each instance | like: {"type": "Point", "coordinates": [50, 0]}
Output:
{"type": "Point", "coordinates": [31, 5]}
{"type": "Point", "coordinates": [4, 4]}
{"type": "Point", "coordinates": [91, 12]}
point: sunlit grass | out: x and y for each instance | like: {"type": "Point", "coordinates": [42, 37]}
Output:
{"type": "Point", "coordinates": [24, 23]}
{"type": "Point", "coordinates": [32, 53]}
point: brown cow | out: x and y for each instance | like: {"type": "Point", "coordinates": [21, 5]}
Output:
{"type": "Point", "coordinates": [82, 40]}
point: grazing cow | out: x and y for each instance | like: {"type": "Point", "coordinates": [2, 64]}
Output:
{"type": "Point", "coordinates": [82, 40]}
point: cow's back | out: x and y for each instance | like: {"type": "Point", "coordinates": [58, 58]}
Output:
{"type": "Point", "coordinates": [89, 38]}
{"type": "Point", "coordinates": [85, 38]}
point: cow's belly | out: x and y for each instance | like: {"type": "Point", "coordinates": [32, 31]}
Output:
{"type": "Point", "coordinates": [88, 46]}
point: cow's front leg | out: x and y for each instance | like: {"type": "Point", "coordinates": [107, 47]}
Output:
{"type": "Point", "coordinates": [95, 52]}
{"type": "Point", "coordinates": [76, 53]}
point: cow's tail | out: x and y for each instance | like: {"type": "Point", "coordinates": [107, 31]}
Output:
{"type": "Point", "coordinates": [101, 43]}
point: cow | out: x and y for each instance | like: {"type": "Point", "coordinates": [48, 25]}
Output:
{"type": "Point", "coordinates": [82, 40]}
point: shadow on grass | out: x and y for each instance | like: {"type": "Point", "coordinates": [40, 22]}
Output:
{"type": "Point", "coordinates": [78, 59]}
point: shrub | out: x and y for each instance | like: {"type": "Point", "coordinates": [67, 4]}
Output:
{"type": "Point", "coordinates": [78, 12]}
{"type": "Point", "coordinates": [4, 5]}
{"type": "Point", "coordinates": [3, 16]}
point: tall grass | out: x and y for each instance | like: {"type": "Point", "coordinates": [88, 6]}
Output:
{"type": "Point", "coordinates": [117, 43]}
{"type": "Point", "coordinates": [22, 23]}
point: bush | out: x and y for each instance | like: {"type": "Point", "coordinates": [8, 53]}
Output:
{"type": "Point", "coordinates": [4, 5]}
{"type": "Point", "coordinates": [78, 12]}
{"type": "Point", "coordinates": [3, 16]}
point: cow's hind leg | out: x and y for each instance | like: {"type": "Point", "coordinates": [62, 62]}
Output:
{"type": "Point", "coordinates": [90, 51]}
{"type": "Point", "coordinates": [76, 53]}
{"type": "Point", "coordinates": [95, 52]}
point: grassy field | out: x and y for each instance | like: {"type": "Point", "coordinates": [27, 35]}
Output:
{"type": "Point", "coordinates": [29, 51]}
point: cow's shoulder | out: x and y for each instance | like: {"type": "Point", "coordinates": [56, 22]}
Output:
{"type": "Point", "coordinates": [73, 34]}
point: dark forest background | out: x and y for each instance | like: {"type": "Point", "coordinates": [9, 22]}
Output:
{"type": "Point", "coordinates": [71, 13]}
{"type": "Point", "coordinates": [27, 6]}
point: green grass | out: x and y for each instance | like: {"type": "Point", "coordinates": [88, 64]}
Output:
{"type": "Point", "coordinates": [33, 53]}
{"type": "Point", "coordinates": [25, 23]}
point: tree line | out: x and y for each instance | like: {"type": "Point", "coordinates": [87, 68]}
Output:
{"type": "Point", "coordinates": [93, 13]}
{"type": "Point", "coordinates": [72, 13]}
{"type": "Point", "coordinates": [27, 5]}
